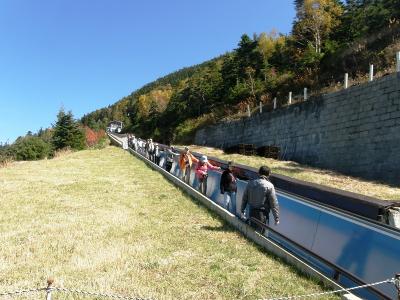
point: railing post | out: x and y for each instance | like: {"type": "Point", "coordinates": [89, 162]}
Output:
{"type": "Point", "coordinates": [50, 282]}
{"type": "Point", "coordinates": [274, 103]}
{"type": "Point", "coordinates": [398, 61]}
{"type": "Point", "coordinates": [248, 110]}
{"type": "Point", "coordinates": [260, 107]}
{"type": "Point", "coordinates": [290, 97]}
{"type": "Point", "coordinates": [346, 80]}
{"type": "Point", "coordinates": [371, 72]}
{"type": "Point", "coordinates": [305, 94]}
{"type": "Point", "coordinates": [397, 284]}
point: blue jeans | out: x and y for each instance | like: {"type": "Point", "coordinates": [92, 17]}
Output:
{"type": "Point", "coordinates": [230, 202]}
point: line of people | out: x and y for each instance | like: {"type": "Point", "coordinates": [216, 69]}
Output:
{"type": "Point", "coordinates": [147, 148]}
{"type": "Point", "coordinates": [259, 195]}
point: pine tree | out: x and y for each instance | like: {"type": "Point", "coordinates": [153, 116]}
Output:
{"type": "Point", "coordinates": [67, 132]}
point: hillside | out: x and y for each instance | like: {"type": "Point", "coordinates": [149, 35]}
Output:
{"type": "Point", "coordinates": [100, 220]}
{"type": "Point", "coordinates": [346, 38]}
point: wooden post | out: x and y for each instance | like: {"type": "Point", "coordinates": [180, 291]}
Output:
{"type": "Point", "coordinates": [50, 282]}
{"type": "Point", "coordinates": [305, 94]}
{"type": "Point", "coordinates": [290, 97]}
{"type": "Point", "coordinates": [260, 107]}
{"type": "Point", "coordinates": [398, 61]}
{"type": "Point", "coordinates": [371, 72]}
{"type": "Point", "coordinates": [248, 110]}
{"type": "Point", "coordinates": [275, 103]}
{"type": "Point", "coordinates": [346, 80]}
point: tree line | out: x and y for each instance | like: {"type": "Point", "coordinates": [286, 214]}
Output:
{"type": "Point", "coordinates": [328, 38]}
{"type": "Point", "coordinates": [67, 133]}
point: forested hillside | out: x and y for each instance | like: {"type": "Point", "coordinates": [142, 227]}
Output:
{"type": "Point", "coordinates": [328, 39]}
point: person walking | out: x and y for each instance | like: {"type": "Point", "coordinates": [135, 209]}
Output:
{"type": "Point", "coordinates": [202, 173]}
{"type": "Point", "coordinates": [228, 187]}
{"type": "Point", "coordinates": [169, 158]}
{"type": "Point", "coordinates": [150, 150]}
{"type": "Point", "coordinates": [261, 197]}
{"type": "Point", "coordinates": [134, 143]}
{"type": "Point", "coordinates": [157, 154]}
{"type": "Point", "coordinates": [186, 160]}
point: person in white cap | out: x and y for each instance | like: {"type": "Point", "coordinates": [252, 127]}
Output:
{"type": "Point", "coordinates": [202, 173]}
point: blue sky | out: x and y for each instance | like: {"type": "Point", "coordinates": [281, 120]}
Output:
{"type": "Point", "coordinates": [87, 54]}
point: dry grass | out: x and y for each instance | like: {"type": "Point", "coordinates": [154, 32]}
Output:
{"type": "Point", "coordinates": [101, 220]}
{"type": "Point", "coordinates": [62, 152]}
{"type": "Point", "coordinates": [320, 176]}
{"type": "Point", "coordinates": [6, 162]}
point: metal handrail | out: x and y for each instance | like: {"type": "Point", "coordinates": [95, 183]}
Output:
{"type": "Point", "coordinates": [338, 270]}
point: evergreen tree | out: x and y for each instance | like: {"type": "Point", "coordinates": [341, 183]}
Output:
{"type": "Point", "coordinates": [67, 132]}
{"type": "Point", "coordinates": [31, 148]}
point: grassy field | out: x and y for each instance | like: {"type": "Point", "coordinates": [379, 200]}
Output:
{"type": "Point", "coordinates": [320, 176]}
{"type": "Point", "coordinates": [101, 220]}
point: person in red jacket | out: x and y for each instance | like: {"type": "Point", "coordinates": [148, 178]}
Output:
{"type": "Point", "coordinates": [202, 173]}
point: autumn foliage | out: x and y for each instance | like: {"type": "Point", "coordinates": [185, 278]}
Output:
{"type": "Point", "coordinates": [93, 137]}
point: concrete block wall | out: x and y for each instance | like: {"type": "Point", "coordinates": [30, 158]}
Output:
{"type": "Point", "coordinates": [355, 131]}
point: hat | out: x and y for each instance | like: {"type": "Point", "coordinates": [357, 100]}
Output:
{"type": "Point", "coordinates": [203, 159]}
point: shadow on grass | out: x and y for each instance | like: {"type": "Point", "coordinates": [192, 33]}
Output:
{"type": "Point", "coordinates": [222, 228]}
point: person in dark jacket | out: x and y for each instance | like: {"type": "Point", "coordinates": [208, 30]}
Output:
{"type": "Point", "coordinates": [228, 187]}
{"type": "Point", "coordinates": [261, 198]}
{"type": "Point", "coordinates": [169, 159]}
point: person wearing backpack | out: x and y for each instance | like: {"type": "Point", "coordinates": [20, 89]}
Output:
{"type": "Point", "coordinates": [169, 158]}
{"type": "Point", "coordinates": [228, 187]}
{"type": "Point", "coordinates": [261, 197]}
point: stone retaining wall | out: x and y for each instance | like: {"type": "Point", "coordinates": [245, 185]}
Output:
{"type": "Point", "coordinates": [354, 131]}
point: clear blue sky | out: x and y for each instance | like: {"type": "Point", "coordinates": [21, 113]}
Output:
{"type": "Point", "coordinates": [87, 54]}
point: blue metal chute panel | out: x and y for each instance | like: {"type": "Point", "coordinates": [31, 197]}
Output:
{"type": "Point", "coordinates": [370, 253]}
{"type": "Point", "coordinates": [192, 178]}
{"type": "Point", "coordinates": [194, 183]}
{"type": "Point", "coordinates": [298, 221]}
{"type": "Point", "coordinates": [214, 193]}
{"type": "Point", "coordinates": [241, 186]}
{"type": "Point", "coordinates": [213, 190]}
{"type": "Point", "coordinates": [366, 251]}
{"type": "Point", "coordinates": [162, 160]}
{"type": "Point", "coordinates": [175, 170]}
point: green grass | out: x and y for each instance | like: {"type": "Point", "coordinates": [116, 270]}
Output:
{"type": "Point", "coordinates": [324, 177]}
{"type": "Point", "coordinates": [101, 220]}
